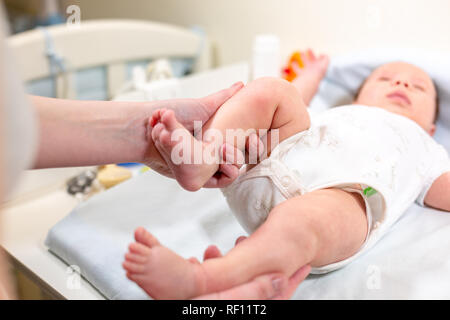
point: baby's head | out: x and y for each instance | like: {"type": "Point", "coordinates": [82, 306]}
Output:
{"type": "Point", "coordinates": [404, 89]}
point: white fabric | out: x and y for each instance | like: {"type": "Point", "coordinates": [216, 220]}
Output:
{"type": "Point", "coordinates": [410, 262]}
{"type": "Point", "coordinates": [17, 123]}
{"type": "Point", "coordinates": [345, 146]}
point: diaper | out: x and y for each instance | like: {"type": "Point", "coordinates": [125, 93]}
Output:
{"type": "Point", "coordinates": [255, 192]}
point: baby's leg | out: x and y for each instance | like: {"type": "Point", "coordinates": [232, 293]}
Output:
{"type": "Point", "coordinates": [266, 103]}
{"type": "Point", "coordinates": [317, 228]}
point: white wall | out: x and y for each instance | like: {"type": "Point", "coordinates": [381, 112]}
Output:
{"type": "Point", "coordinates": [331, 26]}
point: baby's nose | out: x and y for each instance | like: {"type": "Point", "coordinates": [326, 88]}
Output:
{"type": "Point", "coordinates": [405, 83]}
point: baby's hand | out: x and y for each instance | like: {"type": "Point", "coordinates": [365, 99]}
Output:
{"type": "Point", "coordinates": [306, 71]}
{"type": "Point", "coordinates": [312, 65]}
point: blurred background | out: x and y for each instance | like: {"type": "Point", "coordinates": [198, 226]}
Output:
{"type": "Point", "coordinates": [325, 25]}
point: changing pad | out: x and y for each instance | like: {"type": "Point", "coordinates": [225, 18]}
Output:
{"type": "Point", "coordinates": [410, 262]}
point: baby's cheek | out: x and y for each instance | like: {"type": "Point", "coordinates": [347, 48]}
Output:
{"type": "Point", "coordinates": [373, 96]}
{"type": "Point", "coordinates": [428, 108]}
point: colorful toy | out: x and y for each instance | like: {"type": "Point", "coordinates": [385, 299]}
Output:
{"type": "Point", "coordinates": [288, 72]}
{"type": "Point", "coordinates": [111, 175]}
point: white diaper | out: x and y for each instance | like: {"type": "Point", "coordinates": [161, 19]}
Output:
{"type": "Point", "coordinates": [382, 156]}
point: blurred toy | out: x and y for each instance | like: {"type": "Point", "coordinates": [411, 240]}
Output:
{"type": "Point", "coordinates": [111, 175]}
{"type": "Point", "coordinates": [81, 183]}
{"type": "Point", "coordinates": [288, 72]}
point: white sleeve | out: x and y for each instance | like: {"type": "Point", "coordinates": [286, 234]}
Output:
{"type": "Point", "coordinates": [439, 163]}
{"type": "Point", "coordinates": [18, 127]}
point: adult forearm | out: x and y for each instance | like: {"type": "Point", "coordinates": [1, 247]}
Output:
{"type": "Point", "coordinates": [82, 133]}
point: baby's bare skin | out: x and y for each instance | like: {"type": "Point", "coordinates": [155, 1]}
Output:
{"type": "Point", "coordinates": [317, 228]}
{"type": "Point", "coordinates": [404, 89]}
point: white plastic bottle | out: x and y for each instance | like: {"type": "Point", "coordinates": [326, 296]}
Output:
{"type": "Point", "coordinates": [266, 61]}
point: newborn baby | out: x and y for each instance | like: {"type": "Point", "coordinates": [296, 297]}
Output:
{"type": "Point", "coordinates": [329, 189]}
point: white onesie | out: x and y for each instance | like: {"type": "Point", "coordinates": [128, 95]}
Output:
{"type": "Point", "coordinates": [387, 158]}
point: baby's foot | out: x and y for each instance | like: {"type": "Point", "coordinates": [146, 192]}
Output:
{"type": "Point", "coordinates": [159, 271]}
{"type": "Point", "coordinates": [185, 154]}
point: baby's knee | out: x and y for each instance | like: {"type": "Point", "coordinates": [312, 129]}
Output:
{"type": "Point", "coordinates": [271, 86]}
{"type": "Point", "coordinates": [270, 92]}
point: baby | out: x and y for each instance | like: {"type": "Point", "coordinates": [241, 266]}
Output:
{"type": "Point", "coordinates": [330, 187]}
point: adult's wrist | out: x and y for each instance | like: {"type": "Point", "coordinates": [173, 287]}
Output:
{"type": "Point", "coordinates": [84, 133]}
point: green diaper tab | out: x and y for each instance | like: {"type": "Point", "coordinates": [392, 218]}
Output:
{"type": "Point", "coordinates": [369, 191]}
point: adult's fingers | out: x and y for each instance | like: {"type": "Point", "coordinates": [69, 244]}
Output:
{"type": "Point", "coordinates": [270, 286]}
{"type": "Point", "coordinates": [211, 252]}
{"type": "Point", "coordinates": [261, 288]}
{"type": "Point", "coordinates": [231, 155]}
{"type": "Point", "coordinates": [216, 100]}
{"type": "Point", "coordinates": [229, 170]}
{"type": "Point", "coordinates": [226, 175]}
{"type": "Point", "coordinates": [254, 147]}
{"type": "Point", "coordinates": [293, 282]}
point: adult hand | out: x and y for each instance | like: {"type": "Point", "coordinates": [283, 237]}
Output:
{"type": "Point", "coordinates": [233, 160]}
{"type": "Point", "coordinates": [273, 286]}
{"type": "Point", "coordinates": [189, 110]}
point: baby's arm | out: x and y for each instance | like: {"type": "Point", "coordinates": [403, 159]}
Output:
{"type": "Point", "coordinates": [309, 77]}
{"type": "Point", "coordinates": [439, 194]}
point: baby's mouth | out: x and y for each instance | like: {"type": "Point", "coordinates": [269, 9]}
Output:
{"type": "Point", "coordinates": [399, 96]}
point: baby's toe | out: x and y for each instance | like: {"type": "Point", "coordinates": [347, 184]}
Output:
{"type": "Point", "coordinates": [133, 267]}
{"type": "Point", "coordinates": [155, 118]}
{"type": "Point", "coordinates": [165, 138]}
{"type": "Point", "coordinates": [170, 121]}
{"type": "Point", "coordinates": [146, 238]}
{"type": "Point", "coordinates": [157, 114]}
{"type": "Point", "coordinates": [156, 131]}
{"type": "Point", "coordinates": [136, 258]}
{"type": "Point", "coordinates": [139, 248]}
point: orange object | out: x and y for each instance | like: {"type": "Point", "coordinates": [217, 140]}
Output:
{"type": "Point", "coordinates": [288, 72]}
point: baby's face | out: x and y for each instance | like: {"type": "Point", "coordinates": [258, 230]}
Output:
{"type": "Point", "coordinates": [404, 89]}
